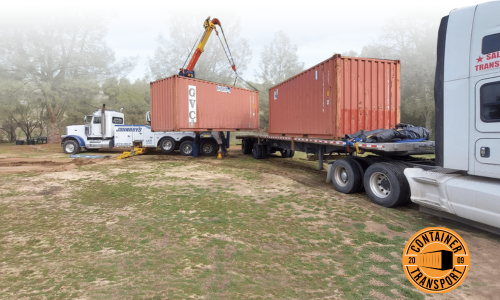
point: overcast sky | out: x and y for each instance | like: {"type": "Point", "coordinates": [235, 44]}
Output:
{"type": "Point", "coordinates": [318, 28]}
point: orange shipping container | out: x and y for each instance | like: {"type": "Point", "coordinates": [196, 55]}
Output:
{"type": "Point", "coordinates": [187, 104]}
{"type": "Point", "coordinates": [337, 96]}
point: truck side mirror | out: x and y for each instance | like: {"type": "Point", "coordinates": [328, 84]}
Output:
{"type": "Point", "coordinates": [148, 117]}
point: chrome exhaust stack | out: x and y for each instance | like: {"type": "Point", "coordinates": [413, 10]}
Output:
{"type": "Point", "coordinates": [103, 120]}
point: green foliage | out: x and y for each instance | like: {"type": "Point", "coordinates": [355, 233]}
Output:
{"type": "Point", "coordinates": [413, 41]}
{"type": "Point", "coordinates": [134, 98]}
{"type": "Point", "coordinates": [279, 61]}
{"type": "Point", "coordinates": [62, 55]}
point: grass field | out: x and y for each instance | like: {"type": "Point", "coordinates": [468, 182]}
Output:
{"type": "Point", "coordinates": [173, 227]}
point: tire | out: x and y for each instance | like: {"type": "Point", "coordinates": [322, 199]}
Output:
{"type": "Point", "coordinates": [402, 167]}
{"type": "Point", "coordinates": [347, 176]}
{"type": "Point", "coordinates": [71, 147]}
{"type": "Point", "coordinates": [246, 147]}
{"type": "Point", "coordinates": [257, 151]}
{"type": "Point", "coordinates": [285, 153]}
{"type": "Point", "coordinates": [167, 145]}
{"type": "Point", "coordinates": [292, 153]}
{"type": "Point", "coordinates": [208, 148]}
{"type": "Point", "coordinates": [362, 167]}
{"type": "Point", "coordinates": [264, 151]}
{"type": "Point", "coordinates": [186, 148]}
{"type": "Point", "coordinates": [386, 184]}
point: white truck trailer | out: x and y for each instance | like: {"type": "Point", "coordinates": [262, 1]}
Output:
{"type": "Point", "coordinates": [463, 181]}
{"type": "Point", "coordinates": [105, 129]}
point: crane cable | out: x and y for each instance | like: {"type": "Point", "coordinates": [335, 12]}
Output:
{"type": "Point", "coordinates": [233, 65]}
{"type": "Point", "coordinates": [191, 51]}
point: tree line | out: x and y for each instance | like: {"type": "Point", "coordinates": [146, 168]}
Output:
{"type": "Point", "coordinates": [55, 69]}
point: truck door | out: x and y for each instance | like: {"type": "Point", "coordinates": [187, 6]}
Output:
{"type": "Point", "coordinates": [487, 127]}
{"type": "Point", "coordinates": [484, 149]}
{"type": "Point", "coordinates": [95, 126]}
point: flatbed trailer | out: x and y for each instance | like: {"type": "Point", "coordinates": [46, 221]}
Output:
{"type": "Point", "coordinates": [389, 173]}
{"type": "Point", "coordinates": [286, 146]}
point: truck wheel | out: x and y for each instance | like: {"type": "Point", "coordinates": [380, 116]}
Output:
{"type": "Point", "coordinates": [292, 153]}
{"type": "Point", "coordinates": [264, 151]}
{"type": "Point", "coordinates": [246, 147]}
{"type": "Point", "coordinates": [167, 145]}
{"type": "Point", "coordinates": [285, 153]}
{"type": "Point", "coordinates": [208, 148]}
{"type": "Point", "coordinates": [257, 151]}
{"type": "Point", "coordinates": [402, 167]}
{"type": "Point", "coordinates": [71, 147]}
{"type": "Point", "coordinates": [386, 184]}
{"type": "Point", "coordinates": [347, 176]}
{"type": "Point", "coordinates": [186, 148]}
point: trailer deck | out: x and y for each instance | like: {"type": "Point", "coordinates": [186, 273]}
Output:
{"type": "Point", "coordinates": [322, 146]}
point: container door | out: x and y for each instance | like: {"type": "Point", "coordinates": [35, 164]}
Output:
{"type": "Point", "coordinates": [487, 127]}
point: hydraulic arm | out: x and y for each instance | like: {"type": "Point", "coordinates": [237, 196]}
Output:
{"type": "Point", "coordinates": [209, 26]}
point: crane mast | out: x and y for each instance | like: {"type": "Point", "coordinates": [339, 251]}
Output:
{"type": "Point", "coordinates": [209, 26]}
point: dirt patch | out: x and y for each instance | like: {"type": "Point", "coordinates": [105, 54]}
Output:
{"type": "Point", "coordinates": [36, 165]}
{"type": "Point", "coordinates": [382, 228]}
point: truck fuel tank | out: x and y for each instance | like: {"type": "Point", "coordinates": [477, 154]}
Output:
{"type": "Point", "coordinates": [99, 144]}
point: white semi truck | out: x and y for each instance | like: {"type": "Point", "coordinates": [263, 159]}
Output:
{"type": "Point", "coordinates": [463, 181]}
{"type": "Point", "coordinates": [105, 129]}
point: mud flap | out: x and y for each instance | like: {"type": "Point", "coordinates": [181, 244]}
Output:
{"type": "Point", "coordinates": [329, 173]}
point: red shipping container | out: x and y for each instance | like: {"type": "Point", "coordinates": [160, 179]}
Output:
{"type": "Point", "coordinates": [337, 96]}
{"type": "Point", "coordinates": [187, 104]}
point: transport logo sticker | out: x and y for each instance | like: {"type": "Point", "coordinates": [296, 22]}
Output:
{"type": "Point", "coordinates": [436, 260]}
{"type": "Point", "coordinates": [129, 129]}
{"type": "Point", "coordinates": [488, 61]}
{"type": "Point", "coordinates": [224, 89]}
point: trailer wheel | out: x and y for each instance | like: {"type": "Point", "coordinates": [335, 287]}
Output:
{"type": "Point", "coordinates": [257, 151]}
{"type": "Point", "coordinates": [292, 153]}
{"type": "Point", "coordinates": [167, 145]}
{"type": "Point", "coordinates": [347, 176]}
{"type": "Point", "coordinates": [246, 147]}
{"type": "Point", "coordinates": [186, 148]}
{"type": "Point", "coordinates": [71, 147]}
{"type": "Point", "coordinates": [386, 184]}
{"type": "Point", "coordinates": [208, 148]}
{"type": "Point", "coordinates": [285, 153]}
{"type": "Point", "coordinates": [264, 151]}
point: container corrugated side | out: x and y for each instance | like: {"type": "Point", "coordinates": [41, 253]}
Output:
{"type": "Point", "coordinates": [337, 96]}
{"type": "Point", "coordinates": [198, 105]}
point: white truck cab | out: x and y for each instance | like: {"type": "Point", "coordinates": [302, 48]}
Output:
{"type": "Point", "coordinates": [467, 95]}
{"type": "Point", "coordinates": [105, 129]}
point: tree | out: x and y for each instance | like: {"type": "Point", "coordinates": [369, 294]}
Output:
{"type": "Point", "coordinates": [134, 98]}
{"type": "Point", "coordinates": [59, 54]}
{"type": "Point", "coordinates": [413, 41]}
{"type": "Point", "coordinates": [350, 53]}
{"type": "Point", "coordinates": [213, 65]}
{"type": "Point", "coordinates": [9, 92]}
{"type": "Point", "coordinates": [279, 61]}
{"type": "Point", "coordinates": [28, 113]}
